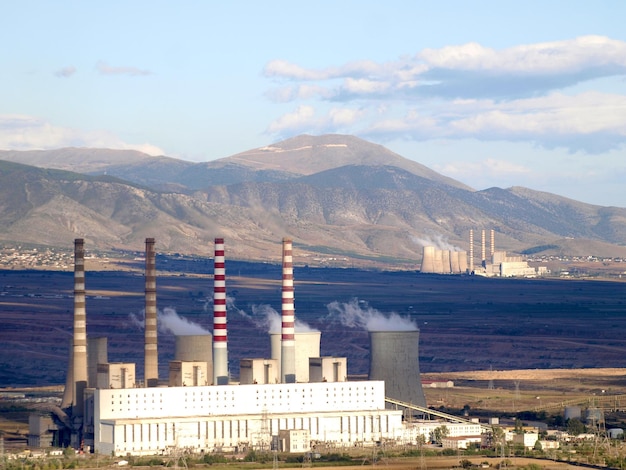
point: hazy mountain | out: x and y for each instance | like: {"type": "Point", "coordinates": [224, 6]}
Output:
{"type": "Point", "coordinates": [334, 195]}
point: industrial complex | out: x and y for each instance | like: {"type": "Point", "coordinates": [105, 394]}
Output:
{"type": "Point", "coordinates": [292, 401]}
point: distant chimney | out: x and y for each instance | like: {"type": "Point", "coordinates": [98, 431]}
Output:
{"type": "Point", "coordinates": [482, 249]}
{"type": "Point", "coordinates": [220, 332]}
{"type": "Point", "coordinates": [288, 344]}
{"type": "Point", "coordinates": [151, 360]}
{"type": "Point", "coordinates": [493, 243]}
{"type": "Point", "coordinates": [79, 372]}
{"type": "Point", "coordinates": [471, 251]}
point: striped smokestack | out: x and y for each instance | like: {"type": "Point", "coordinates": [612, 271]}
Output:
{"type": "Point", "coordinates": [79, 360]}
{"type": "Point", "coordinates": [493, 243]}
{"type": "Point", "coordinates": [151, 360]}
{"type": "Point", "coordinates": [288, 343]}
{"type": "Point", "coordinates": [220, 333]}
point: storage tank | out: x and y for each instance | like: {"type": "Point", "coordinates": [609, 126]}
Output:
{"type": "Point", "coordinates": [572, 412]}
{"type": "Point", "coordinates": [195, 348]}
{"type": "Point", "coordinates": [394, 358]}
{"type": "Point", "coordinates": [307, 346]}
{"type": "Point", "coordinates": [615, 433]}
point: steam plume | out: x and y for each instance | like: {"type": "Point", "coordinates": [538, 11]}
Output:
{"type": "Point", "coordinates": [358, 314]}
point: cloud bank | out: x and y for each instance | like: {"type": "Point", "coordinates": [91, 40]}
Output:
{"type": "Point", "coordinates": [543, 93]}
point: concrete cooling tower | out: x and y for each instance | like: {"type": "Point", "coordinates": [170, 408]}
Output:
{"type": "Point", "coordinates": [195, 348]}
{"type": "Point", "coordinates": [394, 358]}
{"type": "Point", "coordinates": [307, 344]}
{"type": "Point", "coordinates": [428, 260]}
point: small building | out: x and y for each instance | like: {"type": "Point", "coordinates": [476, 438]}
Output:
{"type": "Point", "coordinates": [116, 375]}
{"type": "Point", "coordinates": [460, 442]}
{"type": "Point", "coordinates": [294, 440]}
{"type": "Point", "coordinates": [527, 439]}
{"type": "Point", "coordinates": [188, 374]}
{"type": "Point", "coordinates": [258, 371]}
{"type": "Point", "coordinates": [328, 369]}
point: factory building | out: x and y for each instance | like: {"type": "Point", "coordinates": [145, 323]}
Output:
{"type": "Point", "coordinates": [290, 400]}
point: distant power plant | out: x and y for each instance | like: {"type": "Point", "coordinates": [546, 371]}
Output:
{"type": "Point", "coordinates": [295, 398]}
{"type": "Point", "coordinates": [446, 261]}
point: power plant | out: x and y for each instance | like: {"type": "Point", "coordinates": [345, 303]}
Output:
{"type": "Point", "coordinates": [446, 261]}
{"type": "Point", "coordinates": [289, 401]}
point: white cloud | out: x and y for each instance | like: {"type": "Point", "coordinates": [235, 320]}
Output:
{"type": "Point", "coordinates": [20, 132]}
{"type": "Point", "coordinates": [65, 72]}
{"type": "Point", "coordinates": [106, 69]}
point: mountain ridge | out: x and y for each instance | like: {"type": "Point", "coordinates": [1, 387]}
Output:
{"type": "Point", "coordinates": [376, 207]}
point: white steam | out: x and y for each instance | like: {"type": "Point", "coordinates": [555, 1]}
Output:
{"type": "Point", "coordinates": [270, 320]}
{"type": "Point", "coordinates": [439, 242]}
{"type": "Point", "coordinates": [358, 314]}
{"type": "Point", "coordinates": [169, 321]}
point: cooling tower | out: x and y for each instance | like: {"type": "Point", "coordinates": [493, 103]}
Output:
{"type": "Point", "coordinates": [462, 261]}
{"type": "Point", "coordinates": [455, 265]}
{"type": "Point", "coordinates": [195, 348]}
{"type": "Point", "coordinates": [220, 332]}
{"type": "Point", "coordinates": [428, 260]}
{"type": "Point", "coordinates": [97, 353]}
{"type": "Point", "coordinates": [438, 263]}
{"type": "Point", "coordinates": [307, 345]}
{"type": "Point", "coordinates": [288, 345]}
{"type": "Point", "coordinates": [445, 256]}
{"type": "Point", "coordinates": [151, 359]}
{"type": "Point", "coordinates": [79, 358]}
{"type": "Point", "coordinates": [394, 358]}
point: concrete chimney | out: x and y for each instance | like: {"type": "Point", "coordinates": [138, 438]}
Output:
{"type": "Point", "coordinates": [79, 360]}
{"type": "Point", "coordinates": [493, 243]}
{"type": "Point", "coordinates": [220, 332]}
{"type": "Point", "coordinates": [288, 344]}
{"type": "Point", "coordinates": [151, 360]}
{"type": "Point", "coordinates": [471, 251]}
{"type": "Point", "coordinates": [483, 255]}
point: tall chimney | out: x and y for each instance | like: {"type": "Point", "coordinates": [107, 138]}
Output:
{"type": "Point", "coordinates": [493, 243]}
{"type": "Point", "coordinates": [79, 361]}
{"type": "Point", "coordinates": [220, 333]}
{"type": "Point", "coordinates": [288, 344]}
{"type": "Point", "coordinates": [151, 360]}
{"type": "Point", "coordinates": [483, 256]}
{"type": "Point", "coordinates": [471, 251]}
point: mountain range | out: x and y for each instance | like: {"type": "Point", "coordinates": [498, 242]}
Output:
{"type": "Point", "coordinates": [339, 198]}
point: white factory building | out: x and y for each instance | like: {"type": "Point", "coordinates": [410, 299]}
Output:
{"type": "Point", "coordinates": [149, 421]}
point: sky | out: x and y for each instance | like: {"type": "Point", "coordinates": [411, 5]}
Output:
{"type": "Point", "coordinates": [491, 93]}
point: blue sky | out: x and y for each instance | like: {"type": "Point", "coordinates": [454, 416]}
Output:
{"type": "Point", "coordinates": [490, 93]}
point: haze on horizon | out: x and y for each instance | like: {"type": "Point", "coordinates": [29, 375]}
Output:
{"type": "Point", "coordinates": [497, 94]}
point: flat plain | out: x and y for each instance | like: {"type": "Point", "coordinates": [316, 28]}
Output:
{"type": "Point", "coordinates": [466, 323]}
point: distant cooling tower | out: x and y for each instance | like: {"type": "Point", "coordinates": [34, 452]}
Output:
{"type": "Point", "coordinates": [195, 348]}
{"type": "Point", "coordinates": [394, 358]}
{"type": "Point", "coordinates": [462, 261]}
{"type": "Point", "coordinates": [438, 264]}
{"type": "Point", "coordinates": [455, 266]}
{"type": "Point", "coordinates": [445, 255]}
{"type": "Point", "coordinates": [307, 345]}
{"type": "Point", "coordinates": [428, 260]}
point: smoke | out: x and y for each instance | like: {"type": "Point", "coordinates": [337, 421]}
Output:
{"type": "Point", "coordinates": [265, 317]}
{"type": "Point", "coordinates": [169, 321]}
{"type": "Point", "coordinates": [439, 242]}
{"type": "Point", "coordinates": [358, 314]}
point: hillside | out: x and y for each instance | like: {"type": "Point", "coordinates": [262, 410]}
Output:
{"type": "Point", "coordinates": [337, 196]}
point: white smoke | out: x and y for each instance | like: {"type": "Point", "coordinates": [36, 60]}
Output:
{"type": "Point", "coordinates": [264, 316]}
{"type": "Point", "coordinates": [169, 321]}
{"type": "Point", "coordinates": [439, 242]}
{"type": "Point", "coordinates": [358, 314]}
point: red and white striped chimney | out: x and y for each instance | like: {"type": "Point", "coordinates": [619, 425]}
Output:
{"type": "Point", "coordinates": [79, 347]}
{"type": "Point", "coordinates": [288, 343]}
{"type": "Point", "coordinates": [151, 358]}
{"type": "Point", "coordinates": [220, 332]}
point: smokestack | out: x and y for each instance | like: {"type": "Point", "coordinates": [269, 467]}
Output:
{"type": "Point", "coordinates": [220, 338]}
{"type": "Point", "coordinates": [482, 249]}
{"type": "Point", "coordinates": [493, 243]}
{"type": "Point", "coordinates": [151, 360]}
{"type": "Point", "coordinates": [79, 360]}
{"type": "Point", "coordinates": [288, 344]}
{"type": "Point", "coordinates": [471, 251]}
